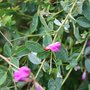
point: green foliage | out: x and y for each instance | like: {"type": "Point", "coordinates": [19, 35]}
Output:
{"type": "Point", "coordinates": [87, 65]}
{"type": "Point", "coordinates": [28, 26]}
{"type": "Point", "coordinates": [86, 10]}
{"type": "Point", "coordinates": [34, 23]}
{"type": "Point", "coordinates": [3, 74]}
{"type": "Point", "coordinates": [33, 46]}
{"type": "Point", "coordinates": [54, 84]}
{"type": "Point", "coordinates": [82, 21]}
{"type": "Point", "coordinates": [33, 58]}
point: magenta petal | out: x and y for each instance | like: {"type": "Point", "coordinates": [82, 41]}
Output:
{"type": "Point", "coordinates": [21, 74]}
{"type": "Point", "coordinates": [55, 47]}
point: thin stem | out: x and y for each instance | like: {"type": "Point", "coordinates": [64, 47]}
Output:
{"type": "Point", "coordinates": [50, 64]}
{"type": "Point", "coordinates": [6, 38]}
{"type": "Point", "coordinates": [76, 60]}
{"type": "Point", "coordinates": [15, 86]}
{"type": "Point", "coordinates": [82, 50]}
{"type": "Point", "coordinates": [64, 20]}
{"type": "Point", "coordinates": [7, 60]}
{"type": "Point", "coordinates": [26, 37]}
{"type": "Point", "coordinates": [39, 69]}
{"type": "Point", "coordinates": [66, 76]}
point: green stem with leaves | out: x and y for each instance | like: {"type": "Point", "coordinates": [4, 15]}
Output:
{"type": "Point", "coordinates": [40, 68]}
{"type": "Point", "coordinates": [64, 80]}
{"type": "Point", "coordinates": [64, 20]}
{"type": "Point", "coordinates": [6, 38]}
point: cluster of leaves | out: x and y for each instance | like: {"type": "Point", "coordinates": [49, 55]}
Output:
{"type": "Point", "coordinates": [28, 26]}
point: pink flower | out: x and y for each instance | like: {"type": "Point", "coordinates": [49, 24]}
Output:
{"type": "Point", "coordinates": [38, 86]}
{"type": "Point", "coordinates": [84, 75]}
{"type": "Point", "coordinates": [21, 74]}
{"type": "Point", "coordinates": [55, 47]}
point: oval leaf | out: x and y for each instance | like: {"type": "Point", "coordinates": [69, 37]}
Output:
{"type": "Point", "coordinates": [87, 65]}
{"type": "Point", "coordinates": [82, 21]}
{"type": "Point", "coordinates": [47, 40]}
{"type": "Point", "coordinates": [62, 54]}
{"type": "Point", "coordinates": [3, 78]}
{"type": "Point", "coordinates": [3, 74]}
{"type": "Point", "coordinates": [34, 23]}
{"type": "Point", "coordinates": [34, 46]}
{"type": "Point", "coordinates": [34, 59]}
{"type": "Point", "coordinates": [7, 50]}
{"type": "Point", "coordinates": [86, 9]}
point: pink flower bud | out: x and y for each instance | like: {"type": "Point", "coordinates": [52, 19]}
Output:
{"type": "Point", "coordinates": [54, 47]}
{"type": "Point", "coordinates": [21, 74]}
{"type": "Point", "coordinates": [84, 75]}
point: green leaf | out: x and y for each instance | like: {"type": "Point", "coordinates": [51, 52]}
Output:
{"type": "Point", "coordinates": [3, 74]}
{"type": "Point", "coordinates": [7, 50]}
{"type": "Point", "coordinates": [87, 65]}
{"type": "Point", "coordinates": [5, 4]}
{"type": "Point", "coordinates": [54, 84]}
{"type": "Point", "coordinates": [15, 61]}
{"type": "Point", "coordinates": [21, 51]}
{"type": "Point", "coordinates": [76, 33]}
{"type": "Point", "coordinates": [73, 63]}
{"type": "Point", "coordinates": [83, 85]}
{"type": "Point", "coordinates": [62, 55]}
{"type": "Point", "coordinates": [87, 51]}
{"type": "Point", "coordinates": [34, 46]}
{"type": "Point", "coordinates": [58, 83]}
{"type": "Point", "coordinates": [82, 21]}
{"type": "Point", "coordinates": [47, 40]}
{"type": "Point", "coordinates": [43, 55]}
{"type": "Point", "coordinates": [34, 24]}
{"type": "Point", "coordinates": [44, 23]}
{"type": "Point", "coordinates": [51, 84]}
{"type": "Point", "coordinates": [86, 9]}
{"type": "Point", "coordinates": [89, 87]}
{"type": "Point", "coordinates": [3, 78]}
{"type": "Point", "coordinates": [33, 58]}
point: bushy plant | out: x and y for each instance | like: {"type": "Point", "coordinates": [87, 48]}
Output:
{"type": "Point", "coordinates": [44, 44]}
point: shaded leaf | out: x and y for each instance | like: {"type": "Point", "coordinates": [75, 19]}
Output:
{"type": "Point", "coordinates": [51, 84]}
{"type": "Point", "coordinates": [47, 40]}
{"type": "Point", "coordinates": [62, 54]}
{"type": "Point", "coordinates": [34, 24]}
{"type": "Point", "coordinates": [3, 74]}
{"type": "Point", "coordinates": [44, 23]}
{"type": "Point", "coordinates": [87, 65]}
{"type": "Point", "coordinates": [82, 21]}
{"type": "Point", "coordinates": [7, 49]}
{"type": "Point", "coordinates": [34, 59]}
{"type": "Point", "coordinates": [34, 46]}
{"type": "Point", "coordinates": [43, 55]}
{"type": "Point", "coordinates": [21, 51]}
{"type": "Point", "coordinates": [86, 9]}
{"type": "Point", "coordinates": [3, 78]}
{"type": "Point", "coordinates": [15, 61]}
{"type": "Point", "coordinates": [87, 51]}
